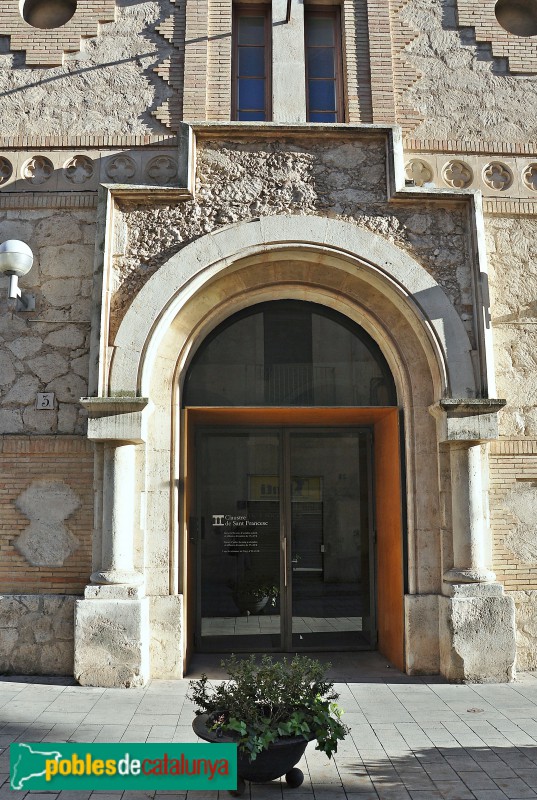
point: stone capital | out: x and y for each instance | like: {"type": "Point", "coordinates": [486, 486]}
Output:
{"type": "Point", "coordinates": [467, 420]}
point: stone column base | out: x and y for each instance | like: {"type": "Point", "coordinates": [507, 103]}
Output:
{"type": "Point", "coordinates": [477, 634]}
{"type": "Point", "coordinates": [112, 642]}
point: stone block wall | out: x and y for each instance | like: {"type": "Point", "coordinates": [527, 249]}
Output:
{"type": "Point", "coordinates": [47, 350]}
{"type": "Point", "coordinates": [104, 85]}
{"type": "Point", "coordinates": [526, 629]}
{"type": "Point", "coordinates": [46, 514]}
{"type": "Point", "coordinates": [36, 634]}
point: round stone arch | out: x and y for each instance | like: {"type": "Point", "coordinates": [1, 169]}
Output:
{"type": "Point", "coordinates": [323, 261]}
{"type": "Point", "coordinates": [331, 243]}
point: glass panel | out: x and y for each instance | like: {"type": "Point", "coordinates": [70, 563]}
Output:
{"type": "Point", "coordinates": [251, 30]}
{"type": "Point", "coordinates": [251, 116]}
{"type": "Point", "coordinates": [319, 30]}
{"type": "Point", "coordinates": [321, 96]}
{"type": "Point", "coordinates": [322, 116]}
{"type": "Point", "coordinates": [251, 94]}
{"type": "Point", "coordinates": [321, 62]}
{"type": "Point", "coordinates": [330, 540]}
{"type": "Point", "coordinates": [289, 353]}
{"type": "Point", "coordinates": [252, 62]}
{"type": "Point", "coordinates": [239, 541]}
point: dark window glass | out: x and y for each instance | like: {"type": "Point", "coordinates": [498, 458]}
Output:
{"type": "Point", "coordinates": [322, 96]}
{"type": "Point", "coordinates": [289, 353]}
{"type": "Point", "coordinates": [252, 94]}
{"type": "Point", "coordinates": [323, 116]}
{"type": "Point", "coordinates": [319, 30]}
{"type": "Point", "coordinates": [251, 30]}
{"type": "Point", "coordinates": [323, 66]}
{"type": "Point", "coordinates": [251, 62]}
{"type": "Point", "coordinates": [252, 116]}
{"type": "Point", "coordinates": [250, 65]}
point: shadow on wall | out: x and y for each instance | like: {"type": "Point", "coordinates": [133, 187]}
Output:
{"type": "Point", "coordinates": [114, 85]}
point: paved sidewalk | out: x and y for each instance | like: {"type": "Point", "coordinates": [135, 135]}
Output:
{"type": "Point", "coordinates": [416, 738]}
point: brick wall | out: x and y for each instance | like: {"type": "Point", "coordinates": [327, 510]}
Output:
{"type": "Point", "coordinates": [219, 61]}
{"type": "Point", "coordinates": [356, 61]}
{"type": "Point", "coordinates": [513, 469]}
{"type": "Point", "coordinates": [196, 56]}
{"type": "Point", "coordinates": [381, 61]}
{"type": "Point", "coordinates": [46, 47]}
{"type": "Point", "coordinates": [520, 50]}
{"type": "Point", "coordinates": [23, 461]}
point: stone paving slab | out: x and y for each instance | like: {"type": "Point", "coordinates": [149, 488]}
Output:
{"type": "Point", "coordinates": [411, 738]}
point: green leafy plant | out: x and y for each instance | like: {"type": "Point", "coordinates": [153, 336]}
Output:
{"type": "Point", "coordinates": [267, 700]}
{"type": "Point", "coordinates": [256, 588]}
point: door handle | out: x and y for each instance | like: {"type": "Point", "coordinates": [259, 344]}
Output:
{"type": "Point", "coordinates": [284, 545]}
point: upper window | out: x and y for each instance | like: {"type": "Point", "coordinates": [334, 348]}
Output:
{"type": "Point", "coordinates": [323, 65]}
{"type": "Point", "coordinates": [251, 64]}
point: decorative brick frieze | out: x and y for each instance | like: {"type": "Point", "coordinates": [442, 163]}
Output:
{"type": "Point", "coordinates": [86, 142]}
{"type": "Point", "coordinates": [46, 47]}
{"type": "Point", "coordinates": [172, 69]}
{"type": "Point", "coordinates": [33, 200]}
{"type": "Point", "coordinates": [521, 51]}
{"type": "Point", "coordinates": [463, 146]}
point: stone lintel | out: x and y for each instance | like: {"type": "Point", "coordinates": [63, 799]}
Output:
{"type": "Point", "coordinates": [144, 194]}
{"type": "Point", "coordinates": [467, 420]}
{"type": "Point", "coordinates": [119, 419]}
{"type": "Point", "coordinates": [272, 130]}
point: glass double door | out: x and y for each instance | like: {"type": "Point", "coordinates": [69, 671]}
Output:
{"type": "Point", "coordinates": [283, 537]}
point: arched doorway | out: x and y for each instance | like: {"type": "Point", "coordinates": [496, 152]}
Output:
{"type": "Point", "coordinates": [294, 496]}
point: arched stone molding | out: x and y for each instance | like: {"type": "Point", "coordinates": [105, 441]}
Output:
{"type": "Point", "coordinates": [323, 261]}
{"type": "Point", "coordinates": [319, 260]}
{"type": "Point", "coordinates": [331, 242]}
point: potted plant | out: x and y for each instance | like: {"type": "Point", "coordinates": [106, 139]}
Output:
{"type": "Point", "coordinates": [252, 593]}
{"type": "Point", "coordinates": [272, 709]}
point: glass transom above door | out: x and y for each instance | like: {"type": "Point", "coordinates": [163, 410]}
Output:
{"type": "Point", "coordinates": [284, 550]}
{"type": "Point", "coordinates": [289, 353]}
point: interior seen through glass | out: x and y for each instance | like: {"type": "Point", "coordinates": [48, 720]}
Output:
{"type": "Point", "coordinates": [289, 353]}
{"type": "Point", "coordinates": [284, 552]}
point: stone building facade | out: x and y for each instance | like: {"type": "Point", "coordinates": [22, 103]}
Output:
{"type": "Point", "coordinates": [159, 218]}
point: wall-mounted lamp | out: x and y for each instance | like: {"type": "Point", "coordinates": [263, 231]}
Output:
{"type": "Point", "coordinates": [16, 260]}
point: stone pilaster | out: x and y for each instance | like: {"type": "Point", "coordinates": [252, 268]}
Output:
{"type": "Point", "coordinates": [288, 58]}
{"type": "Point", "coordinates": [476, 618]}
{"type": "Point", "coordinates": [112, 622]}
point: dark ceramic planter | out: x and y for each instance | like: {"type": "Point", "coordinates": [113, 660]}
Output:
{"type": "Point", "coordinates": [279, 759]}
{"type": "Point", "coordinates": [249, 605]}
